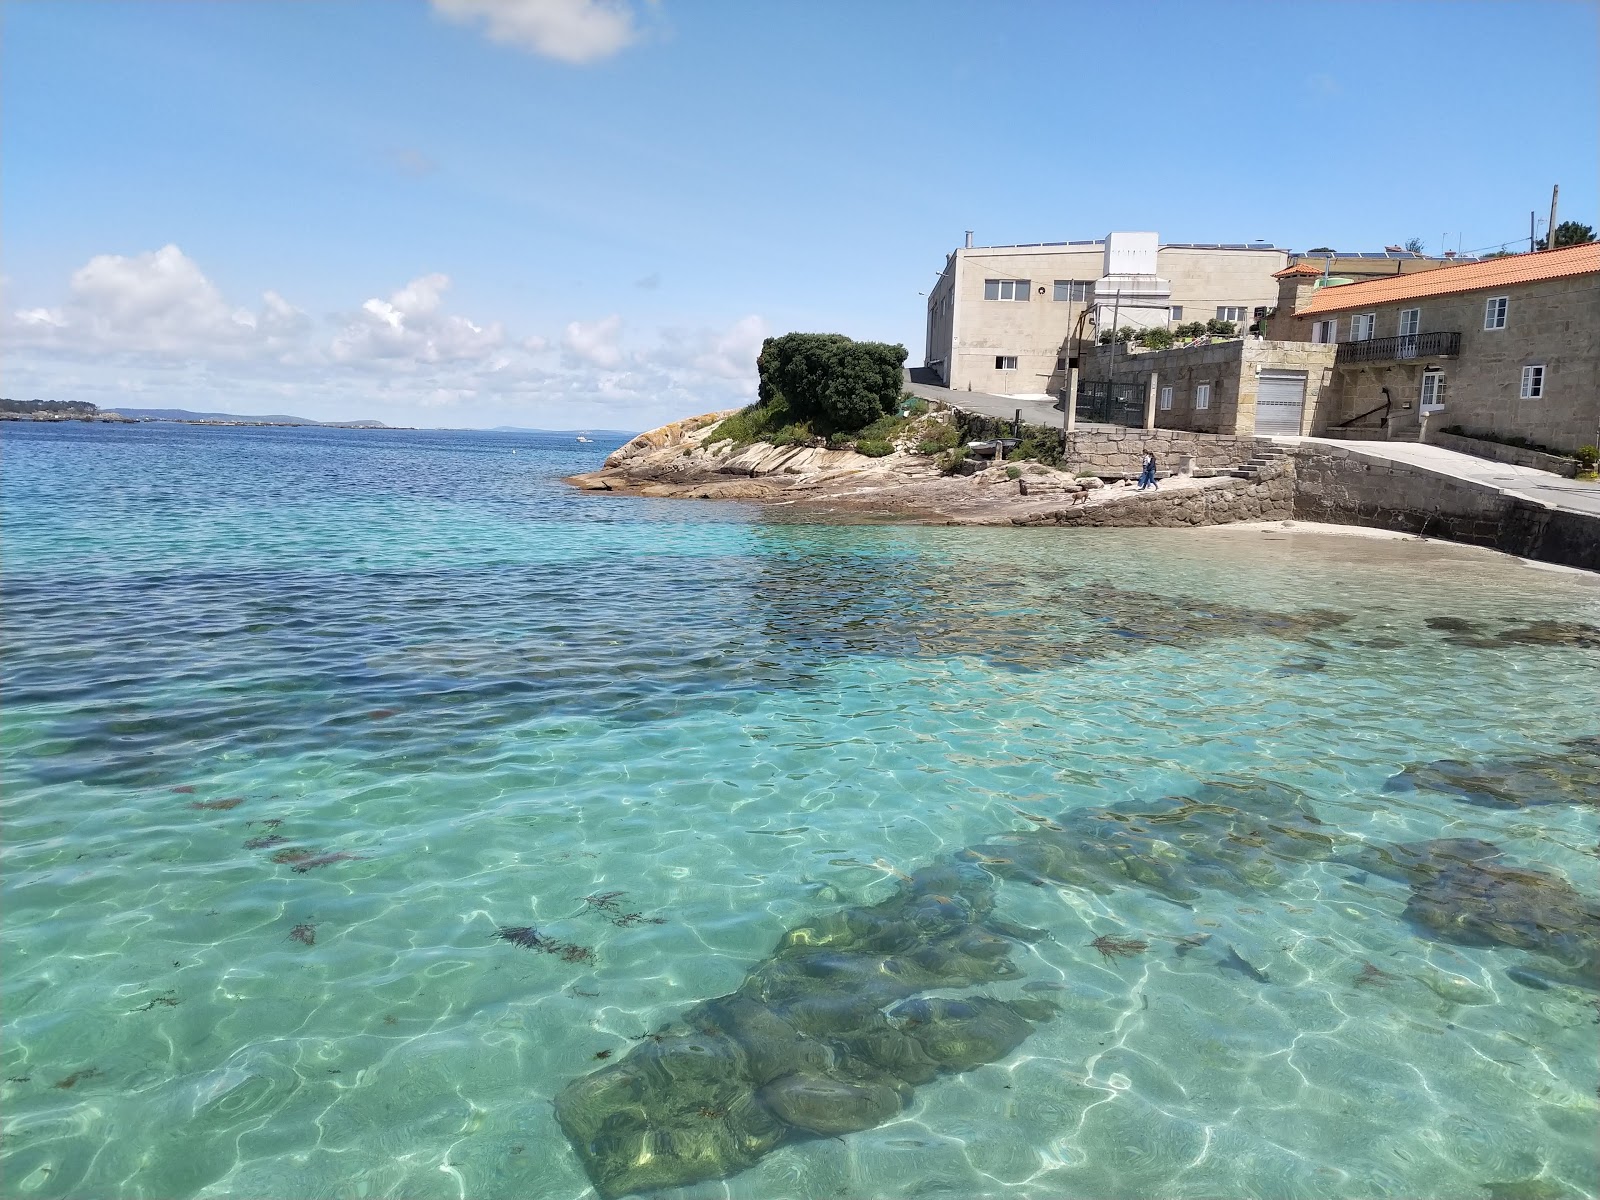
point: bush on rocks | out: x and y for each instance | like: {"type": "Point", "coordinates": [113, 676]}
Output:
{"type": "Point", "coordinates": [829, 380]}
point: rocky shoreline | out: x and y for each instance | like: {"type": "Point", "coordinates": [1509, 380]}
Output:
{"type": "Point", "coordinates": [685, 460]}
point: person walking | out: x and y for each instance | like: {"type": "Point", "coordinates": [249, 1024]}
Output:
{"type": "Point", "coordinates": [1147, 475]}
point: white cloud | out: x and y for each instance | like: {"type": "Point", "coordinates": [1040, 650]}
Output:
{"type": "Point", "coordinates": [151, 329]}
{"type": "Point", "coordinates": [157, 303]}
{"type": "Point", "coordinates": [594, 342]}
{"type": "Point", "coordinates": [574, 31]}
{"type": "Point", "coordinates": [409, 328]}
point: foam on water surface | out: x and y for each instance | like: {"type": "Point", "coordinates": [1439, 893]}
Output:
{"type": "Point", "coordinates": [451, 697]}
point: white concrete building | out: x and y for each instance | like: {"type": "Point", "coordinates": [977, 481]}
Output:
{"type": "Point", "coordinates": [1005, 319]}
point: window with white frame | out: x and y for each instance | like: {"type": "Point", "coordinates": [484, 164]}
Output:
{"type": "Point", "coordinates": [1325, 331]}
{"type": "Point", "coordinates": [1005, 362]}
{"type": "Point", "coordinates": [1230, 312]}
{"type": "Point", "coordinates": [1202, 395]}
{"type": "Point", "coordinates": [1075, 290]}
{"type": "Point", "coordinates": [1410, 322]}
{"type": "Point", "coordinates": [1176, 312]}
{"type": "Point", "coordinates": [1362, 325]}
{"type": "Point", "coordinates": [1006, 289]}
{"type": "Point", "coordinates": [1166, 397]}
{"type": "Point", "coordinates": [1432, 391]}
{"type": "Point", "coordinates": [1494, 312]}
{"type": "Point", "coordinates": [1532, 382]}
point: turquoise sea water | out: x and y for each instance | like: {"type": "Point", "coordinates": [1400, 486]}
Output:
{"type": "Point", "coordinates": [458, 696]}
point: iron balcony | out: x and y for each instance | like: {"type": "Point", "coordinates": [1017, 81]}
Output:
{"type": "Point", "coordinates": [1409, 345]}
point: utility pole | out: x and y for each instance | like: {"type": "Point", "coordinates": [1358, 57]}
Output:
{"type": "Point", "coordinates": [1532, 220]}
{"type": "Point", "coordinates": [1550, 234]}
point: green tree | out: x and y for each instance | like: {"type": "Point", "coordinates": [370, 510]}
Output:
{"type": "Point", "coordinates": [1414, 245]}
{"type": "Point", "coordinates": [1220, 328]}
{"type": "Point", "coordinates": [829, 380]}
{"type": "Point", "coordinates": [1570, 233]}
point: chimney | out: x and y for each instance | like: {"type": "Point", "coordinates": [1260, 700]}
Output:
{"type": "Point", "coordinates": [969, 239]}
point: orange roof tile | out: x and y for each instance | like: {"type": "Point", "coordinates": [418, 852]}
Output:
{"type": "Point", "coordinates": [1300, 268]}
{"type": "Point", "coordinates": [1447, 281]}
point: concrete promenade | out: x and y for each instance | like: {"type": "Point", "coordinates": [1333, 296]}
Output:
{"type": "Point", "coordinates": [1528, 483]}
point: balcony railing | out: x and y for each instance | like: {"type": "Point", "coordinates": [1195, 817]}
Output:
{"type": "Point", "coordinates": [1409, 345]}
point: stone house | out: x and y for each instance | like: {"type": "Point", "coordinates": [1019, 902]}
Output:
{"type": "Point", "coordinates": [1508, 347]}
{"type": "Point", "coordinates": [1243, 387]}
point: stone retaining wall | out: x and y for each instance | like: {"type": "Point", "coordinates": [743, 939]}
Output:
{"type": "Point", "coordinates": [1345, 487]}
{"type": "Point", "coordinates": [1498, 452]}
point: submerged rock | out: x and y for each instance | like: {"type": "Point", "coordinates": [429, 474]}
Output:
{"type": "Point", "coordinates": [1230, 835]}
{"type": "Point", "coordinates": [1487, 904]}
{"type": "Point", "coordinates": [803, 1048]}
{"type": "Point", "coordinates": [1568, 776]}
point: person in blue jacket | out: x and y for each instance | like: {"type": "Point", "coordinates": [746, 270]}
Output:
{"type": "Point", "coordinates": [1147, 476]}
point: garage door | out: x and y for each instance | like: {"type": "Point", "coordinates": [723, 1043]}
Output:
{"type": "Point", "coordinates": [1280, 399]}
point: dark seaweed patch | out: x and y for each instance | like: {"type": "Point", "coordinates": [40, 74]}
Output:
{"type": "Point", "coordinates": [218, 805]}
{"type": "Point", "coordinates": [305, 933]}
{"type": "Point", "coordinates": [1118, 947]}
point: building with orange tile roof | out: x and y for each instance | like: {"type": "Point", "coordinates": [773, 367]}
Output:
{"type": "Point", "coordinates": [1504, 347]}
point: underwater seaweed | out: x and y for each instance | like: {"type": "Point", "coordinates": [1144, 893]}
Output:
{"type": "Point", "coordinates": [606, 902]}
{"type": "Point", "coordinates": [76, 1078]}
{"type": "Point", "coordinates": [1115, 947]}
{"type": "Point", "coordinates": [264, 840]}
{"type": "Point", "coordinates": [218, 805]}
{"type": "Point", "coordinates": [305, 933]}
{"type": "Point", "coordinates": [525, 936]}
{"type": "Point", "coordinates": [1373, 976]}
{"type": "Point", "coordinates": [312, 862]}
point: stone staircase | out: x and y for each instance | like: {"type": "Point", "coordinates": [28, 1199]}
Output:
{"type": "Point", "coordinates": [1266, 454]}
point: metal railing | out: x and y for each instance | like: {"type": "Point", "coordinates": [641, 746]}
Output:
{"type": "Point", "coordinates": [1407, 345]}
{"type": "Point", "coordinates": [1101, 402]}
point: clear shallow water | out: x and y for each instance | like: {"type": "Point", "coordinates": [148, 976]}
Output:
{"type": "Point", "coordinates": [493, 697]}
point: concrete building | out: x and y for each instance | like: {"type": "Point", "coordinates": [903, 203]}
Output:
{"type": "Point", "coordinates": [1005, 319]}
{"type": "Point", "coordinates": [1508, 347]}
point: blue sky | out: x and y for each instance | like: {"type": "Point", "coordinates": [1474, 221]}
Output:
{"type": "Point", "coordinates": [569, 213]}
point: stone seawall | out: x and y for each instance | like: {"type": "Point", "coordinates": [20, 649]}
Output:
{"type": "Point", "coordinates": [1344, 487]}
{"type": "Point", "coordinates": [1112, 452]}
{"type": "Point", "coordinates": [1267, 498]}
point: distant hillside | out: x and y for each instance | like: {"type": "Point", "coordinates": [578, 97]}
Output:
{"type": "Point", "coordinates": [183, 414]}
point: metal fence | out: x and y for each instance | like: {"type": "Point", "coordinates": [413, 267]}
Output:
{"type": "Point", "coordinates": [1102, 402]}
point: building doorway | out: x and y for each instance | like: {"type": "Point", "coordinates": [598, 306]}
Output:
{"type": "Point", "coordinates": [1280, 401]}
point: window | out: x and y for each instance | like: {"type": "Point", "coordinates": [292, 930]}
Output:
{"type": "Point", "coordinates": [1410, 322]}
{"type": "Point", "coordinates": [1361, 326]}
{"type": "Point", "coordinates": [1325, 331]}
{"type": "Point", "coordinates": [1230, 312]}
{"type": "Point", "coordinates": [1177, 312]}
{"type": "Point", "coordinates": [1494, 313]}
{"type": "Point", "coordinates": [1005, 362]}
{"type": "Point", "coordinates": [1075, 290]}
{"type": "Point", "coordinates": [1532, 382]}
{"type": "Point", "coordinates": [1432, 391]}
{"type": "Point", "coordinates": [1166, 397]}
{"type": "Point", "coordinates": [1005, 289]}
{"type": "Point", "coordinates": [1202, 395]}
{"type": "Point", "coordinates": [1061, 363]}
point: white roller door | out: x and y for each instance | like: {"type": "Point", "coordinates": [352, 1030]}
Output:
{"type": "Point", "coordinates": [1280, 401]}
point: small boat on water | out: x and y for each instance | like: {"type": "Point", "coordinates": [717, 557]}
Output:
{"type": "Point", "coordinates": [581, 438]}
